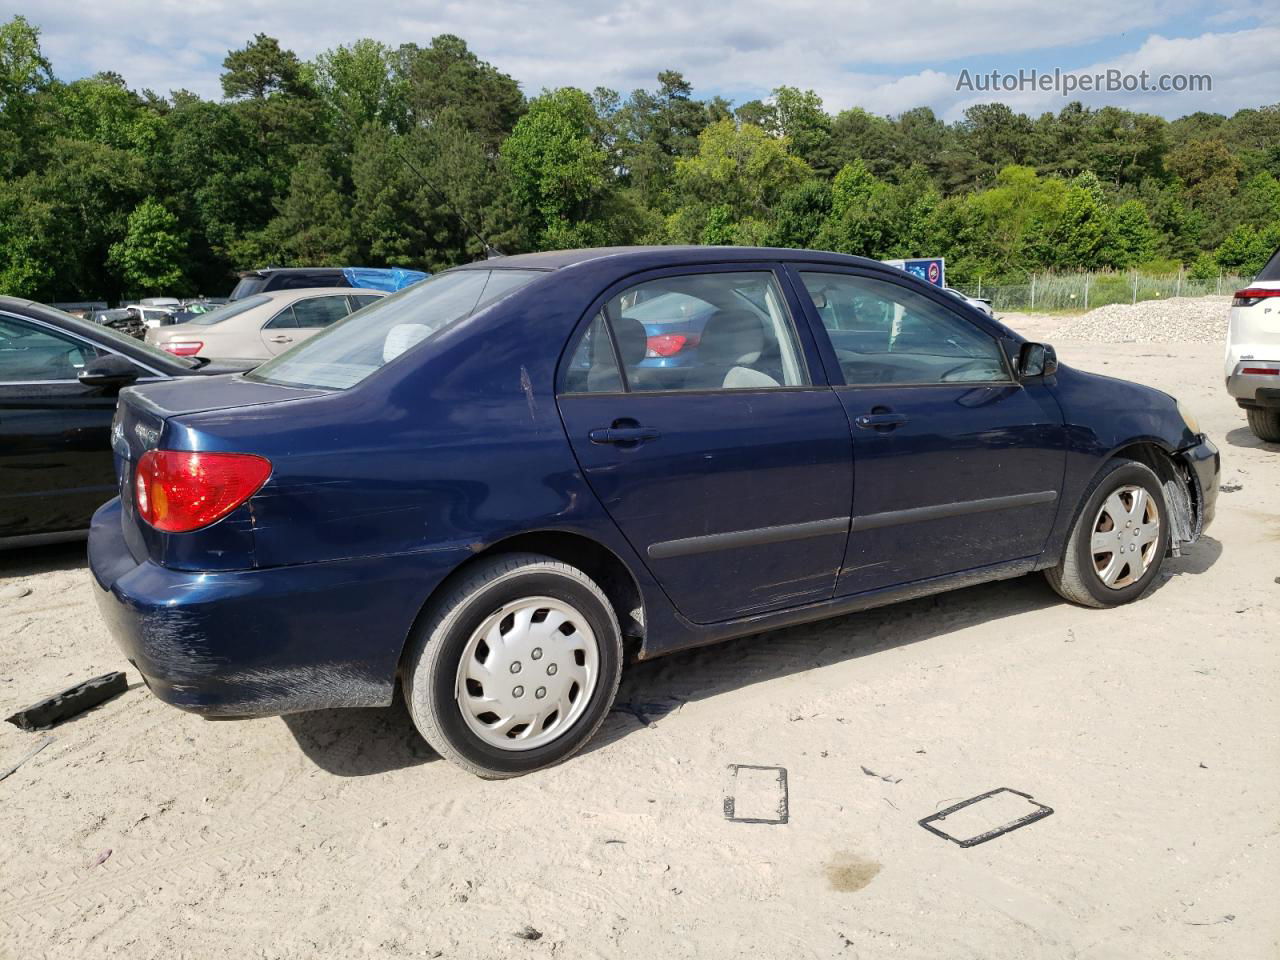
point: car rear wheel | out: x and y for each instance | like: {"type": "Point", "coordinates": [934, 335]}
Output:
{"type": "Point", "coordinates": [1118, 542]}
{"type": "Point", "coordinates": [515, 666]}
{"type": "Point", "coordinates": [1265, 423]}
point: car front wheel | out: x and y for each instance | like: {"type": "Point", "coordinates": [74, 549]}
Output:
{"type": "Point", "coordinates": [1118, 542]}
{"type": "Point", "coordinates": [515, 666]}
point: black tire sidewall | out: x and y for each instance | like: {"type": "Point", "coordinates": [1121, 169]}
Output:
{"type": "Point", "coordinates": [1130, 473]}
{"type": "Point", "coordinates": [478, 606]}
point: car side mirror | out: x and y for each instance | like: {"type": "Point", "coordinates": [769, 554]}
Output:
{"type": "Point", "coordinates": [1037, 360]}
{"type": "Point", "coordinates": [109, 371]}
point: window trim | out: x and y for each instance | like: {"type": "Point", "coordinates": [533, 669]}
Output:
{"type": "Point", "coordinates": [808, 349]}
{"type": "Point", "coordinates": [827, 348]}
{"type": "Point", "coordinates": [99, 348]}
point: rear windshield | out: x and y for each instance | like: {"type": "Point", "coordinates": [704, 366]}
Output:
{"type": "Point", "coordinates": [248, 286]}
{"type": "Point", "coordinates": [1272, 270]}
{"type": "Point", "coordinates": [227, 311]}
{"type": "Point", "coordinates": [351, 349]}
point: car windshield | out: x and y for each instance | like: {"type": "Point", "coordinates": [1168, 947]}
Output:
{"type": "Point", "coordinates": [101, 332]}
{"type": "Point", "coordinates": [351, 349]}
{"type": "Point", "coordinates": [230, 310]}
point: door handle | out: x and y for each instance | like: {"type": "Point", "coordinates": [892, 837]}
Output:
{"type": "Point", "coordinates": [881, 421]}
{"type": "Point", "coordinates": [282, 339]}
{"type": "Point", "coordinates": [623, 434]}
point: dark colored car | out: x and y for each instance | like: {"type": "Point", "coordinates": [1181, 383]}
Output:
{"type": "Point", "coordinates": [59, 377]}
{"type": "Point", "coordinates": [302, 278]}
{"type": "Point", "coordinates": [477, 492]}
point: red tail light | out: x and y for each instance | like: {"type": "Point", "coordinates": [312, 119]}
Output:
{"type": "Point", "coordinates": [1260, 372]}
{"type": "Point", "coordinates": [183, 348]}
{"type": "Point", "coordinates": [178, 491]}
{"type": "Point", "coordinates": [669, 344]}
{"type": "Point", "coordinates": [1247, 298]}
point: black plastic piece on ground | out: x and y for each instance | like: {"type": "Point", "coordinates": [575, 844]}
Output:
{"type": "Point", "coordinates": [782, 814]}
{"type": "Point", "coordinates": [1038, 814]}
{"type": "Point", "coordinates": [70, 703]}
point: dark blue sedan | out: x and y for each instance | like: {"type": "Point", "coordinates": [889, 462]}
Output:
{"type": "Point", "coordinates": [480, 490]}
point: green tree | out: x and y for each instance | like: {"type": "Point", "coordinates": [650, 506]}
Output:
{"type": "Point", "coordinates": [446, 76]}
{"type": "Point", "coordinates": [858, 135]}
{"type": "Point", "coordinates": [261, 69]}
{"type": "Point", "coordinates": [801, 119]}
{"type": "Point", "coordinates": [864, 218]}
{"type": "Point", "coordinates": [557, 169]}
{"type": "Point", "coordinates": [1131, 238]}
{"type": "Point", "coordinates": [652, 128]}
{"type": "Point", "coordinates": [360, 85]}
{"type": "Point", "coordinates": [314, 224]}
{"type": "Point", "coordinates": [742, 168]}
{"type": "Point", "coordinates": [1246, 249]}
{"type": "Point", "coordinates": [799, 214]}
{"type": "Point", "coordinates": [24, 75]}
{"type": "Point", "coordinates": [151, 254]}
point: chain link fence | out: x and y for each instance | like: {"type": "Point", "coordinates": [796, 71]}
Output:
{"type": "Point", "coordinates": [1084, 291]}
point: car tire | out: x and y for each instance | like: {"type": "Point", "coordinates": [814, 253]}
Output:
{"type": "Point", "coordinates": [555, 643]}
{"type": "Point", "coordinates": [1089, 575]}
{"type": "Point", "coordinates": [1265, 423]}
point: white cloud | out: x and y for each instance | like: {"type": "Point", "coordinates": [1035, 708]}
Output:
{"type": "Point", "coordinates": [853, 52]}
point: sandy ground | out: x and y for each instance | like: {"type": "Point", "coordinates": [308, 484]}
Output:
{"type": "Point", "coordinates": [1151, 730]}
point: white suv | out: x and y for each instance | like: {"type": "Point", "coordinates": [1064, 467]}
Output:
{"type": "Point", "coordinates": [1253, 351]}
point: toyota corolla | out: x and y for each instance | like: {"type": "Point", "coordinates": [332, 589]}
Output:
{"type": "Point", "coordinates": [481, 492]}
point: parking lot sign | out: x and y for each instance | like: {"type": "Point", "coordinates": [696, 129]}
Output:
{"type": "Point", "coordinates": [930, 269]}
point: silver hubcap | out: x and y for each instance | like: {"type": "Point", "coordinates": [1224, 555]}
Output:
{"type": "Point", "coordinates": [1125, 537]}
{"type": "Point", "coordinates": [527, 673]}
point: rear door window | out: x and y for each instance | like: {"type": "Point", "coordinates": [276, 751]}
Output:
{"type": "Point", "coordinates": [705, 331]}
{"type": "Point", "coordinates": [284, 320]}
{"type": "Point", "coordinates": [319, 311]}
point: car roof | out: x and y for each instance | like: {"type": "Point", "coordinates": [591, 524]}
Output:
{"type": "Point", "coordinates": [663, 255]}
{"type": "Point", "coordinates": [301, 293]}
{"type": "Point", "coordinates": [263, 271]}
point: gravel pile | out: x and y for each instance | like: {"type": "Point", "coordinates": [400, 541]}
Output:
{"type": "Point", "coordinates": [1201, 319]}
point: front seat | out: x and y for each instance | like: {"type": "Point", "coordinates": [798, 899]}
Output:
{"type": "Point", "coordinates": [730, 352]}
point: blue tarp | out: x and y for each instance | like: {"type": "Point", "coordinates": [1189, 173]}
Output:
{"type": "Point", "coordinates": [382, 278]}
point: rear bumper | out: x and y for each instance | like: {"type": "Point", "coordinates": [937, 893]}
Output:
{"type": "Point", "coordinates": [262, 642]}
{"type": "Point", "coordinates": [1254, 389]}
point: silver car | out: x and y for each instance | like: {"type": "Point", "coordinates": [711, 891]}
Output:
{"type": "Point", "coordinates": [261, 326]}
{"type": "Point", "coordinates": [981, 303]}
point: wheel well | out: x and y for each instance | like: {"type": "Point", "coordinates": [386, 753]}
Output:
{"type": "Point", "coordinates": [1169, 468]}
{"type": "Point", "coordinates": [1151, 455]}
{"type": "Point", "coordinates": [598, 562]}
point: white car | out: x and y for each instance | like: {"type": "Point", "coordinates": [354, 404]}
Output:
{"type": "Point", "coordinates": [1253, 351]}
{"type": "Point", "coordinates": [260, 326]}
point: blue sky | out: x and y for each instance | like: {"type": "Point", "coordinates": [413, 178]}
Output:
{"type": "Point", "coordinates": [884, 57]}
